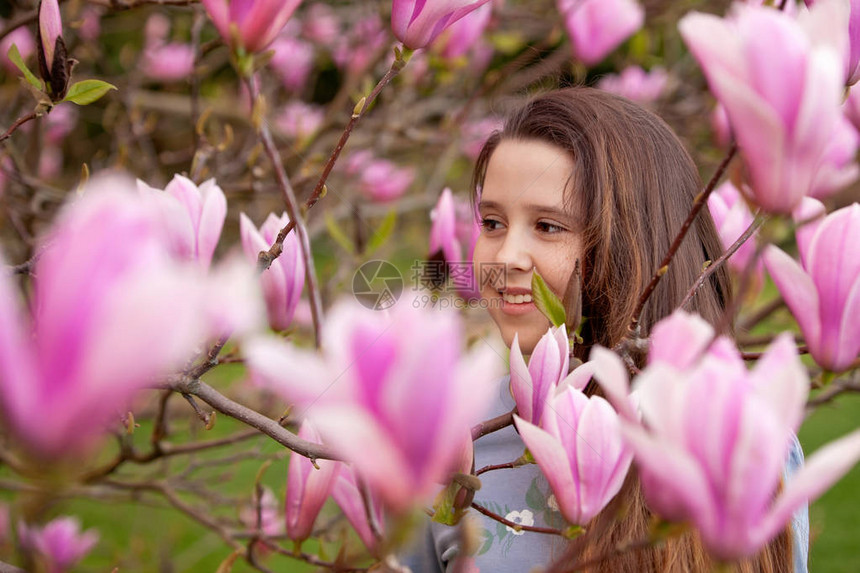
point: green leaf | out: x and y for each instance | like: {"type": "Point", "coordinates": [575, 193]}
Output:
{"type": "Point", "coordinates": [443, 507]}
{"type": "Point", "coordinates": [546, 300]}
{"type": "Point", "coordinates": [574, 531]}
{"type": "Point", "coordinates": [15, 57]}
{"type": "Point", "coordinates": [488, 542]}
{"type": "Point", "coordinates": [382, 232]}
{"type": "Point", "coordinates": [534, 498]}
{"type": "Point", "coordinates": [87, 91]}
{"type": "Point", "coordinates": [337, 234]}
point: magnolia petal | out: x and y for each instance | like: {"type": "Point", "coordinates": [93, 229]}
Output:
{"type": "Point", "coordinates": [359, 439]}
{"type": "Point", "coordinates": [252, 241]}
{"type": "Point", "coordinates": [346, 494]}
{"type": "Point", "coordinates": [307, 487]}
{"type": "Point", "coordinates": [849, 332]}
{"type": "Point", "coordinates": [295, 375]}
{"type": "Point", "coordinates": [675, 485]}
{"type": "Point", "coordinates": [798, 291]}
{"type": "Point", "coordinates": [555, 465]}
{"type": "Point", "coordinates": [545, 369]}
{"type": "Point", "coordinates": [578, 378]}
{"type": "Point", "coordinates": [598, 450]}
{"type": "Point", "coordinates": [521, 382]}
{"type": "Point", "coordinates": [826, 466]}
{"type": "Point", "coordinates": [782, 381]}
{"type": "Point", "coordinates": [211, 220]}
{"type": "Point", "coordinates": [679, 339]}
{"type": "Point", "coordinates": [219, 13]}
{"type": "Point", "coordinates": [265, 21]}
{"type": "Point", "coordinates": [810, 212]}
{"type": "Point", "coordinates": [18, 368]}
{"type": "Point", "coordinates": [611, 374]}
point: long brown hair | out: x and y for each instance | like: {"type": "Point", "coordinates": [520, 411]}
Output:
{"type": "Point", "coordinates": [632, 186]}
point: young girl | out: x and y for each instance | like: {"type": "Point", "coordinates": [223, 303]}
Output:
{"type": "Point", "coordinates": [580, 174]}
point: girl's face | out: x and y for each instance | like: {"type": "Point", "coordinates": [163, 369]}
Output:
{"type": "Point", "coordinates": [524, 225]}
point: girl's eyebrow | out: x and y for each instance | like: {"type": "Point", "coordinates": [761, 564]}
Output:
{"type": "Point", "coordinates": [539, 209]}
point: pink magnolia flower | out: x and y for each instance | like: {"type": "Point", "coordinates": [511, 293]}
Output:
{"type": "Point", "coordinates": [732, 217]}
{"type": "Point", "coordinates": [299, 120]}
{"type": "Point", "coordinates": [417, 23]}
{"type": "Point", "coordinates": [808, 217]}
{"type": "Point", "coordinates": [321, 25]}
{"type": "Point", "coordinates": [391, 393]}
{"type": "Point", "coordinates": [838, 167]}
{"type": "Point", "coordinates": [713, 437]}
{"type": "Point", "coordinates": [169, 62]}
{"type": "Point", "coordinates": [282, 283]}
{"type": "Point", "coordinates": [250, 25]}
{"type": "Point", "coordinates": [293, 61]}
{"type": "Point", "coordinates": [347, 495]}
{"type": "Point", "coordinates": [194, 216]}
{"type": "Point", "coordinates": [636, 84]}
{"type": "Point", "coordinates": [90, 23]}
{"type": "Point", "coordinates": [354, 51]}
{"type": "Point", "coordinates": [307, 488]}
{"type": "Point", "coordinates": [781, 87]}
{"type": "Point", "coordinates": [23, 39]}
{"type": "Point", "coordinates": [580, 451]}
{"type": "Point", "coordinates": [162, 60]}
{"type": "Point", "coordinates": [823, 291]}
{"type": "Point", "coordinates": [381, 180]}
{"type": "Point", "coordinates": [270, 521]}
{"type": "Point", "coordinates": [597, 27]}
{"type": "Point", "coordinates": [464, 33]}
{"type": "Point", "coordinates": [60, 543]}
{"type": "Point", "coordinates": [453, 233]}
{"type": "Point", "coordinates": [50, 29]}
{"type": "Point", "coordinates": [852, 63]}
{"type": "Point", "coordinates": [105, 323]}
{"type": "Point", "coordinates": [534, 385]}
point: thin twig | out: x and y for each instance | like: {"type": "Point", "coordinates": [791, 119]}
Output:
{"type": "Point", "coordinates": [760, 314]}
{"type": "Point", "coordinates": [516, 526]}
{"type": "Point", "coordinates": [756, 355]}
{"type": "Point", "coordinates": [266, 257]}
{"type": "Point", "coordinates": [698, 203]}
{"type": "Point", "coordinates": [204, 417]}
{"type": "Point", "coordinates": [312, 559]}
{"type": "Point", "coordinates": [164, 451]}
{"type": "Point", "coordinates": [296, 217]}
{"type": "Point", "coordinates": [832, 391]}
{"type": "Point", "coordinates": [18, 123]}
{"type": "Point", "coordinates": [493, 425]}
{"type": "Point", "coordinates": [506, 466]}
{"type": "Point", "coordinates": [367, 501]}
{"type": "Point", "coordinates": [753, 227]}
{"type": "Point", "coordinates": [253, 419]}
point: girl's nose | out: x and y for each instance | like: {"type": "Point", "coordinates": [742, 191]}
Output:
{"type": "Point", "coordinates": [514, 253]}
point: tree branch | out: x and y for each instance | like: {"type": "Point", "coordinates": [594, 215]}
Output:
{"type": "Point", "coordinates": [699, 202]}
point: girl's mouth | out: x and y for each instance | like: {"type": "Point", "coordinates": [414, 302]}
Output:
{"type": "Point", "coordinates": [516, 298]}
{"type": "Point", "coordinates": [516, 302]}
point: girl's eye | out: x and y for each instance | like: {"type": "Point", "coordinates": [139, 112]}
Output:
{"type": "Point", "coordinates": [488, 224]}
{"type": "Point", "coordinates": [547, 227]}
